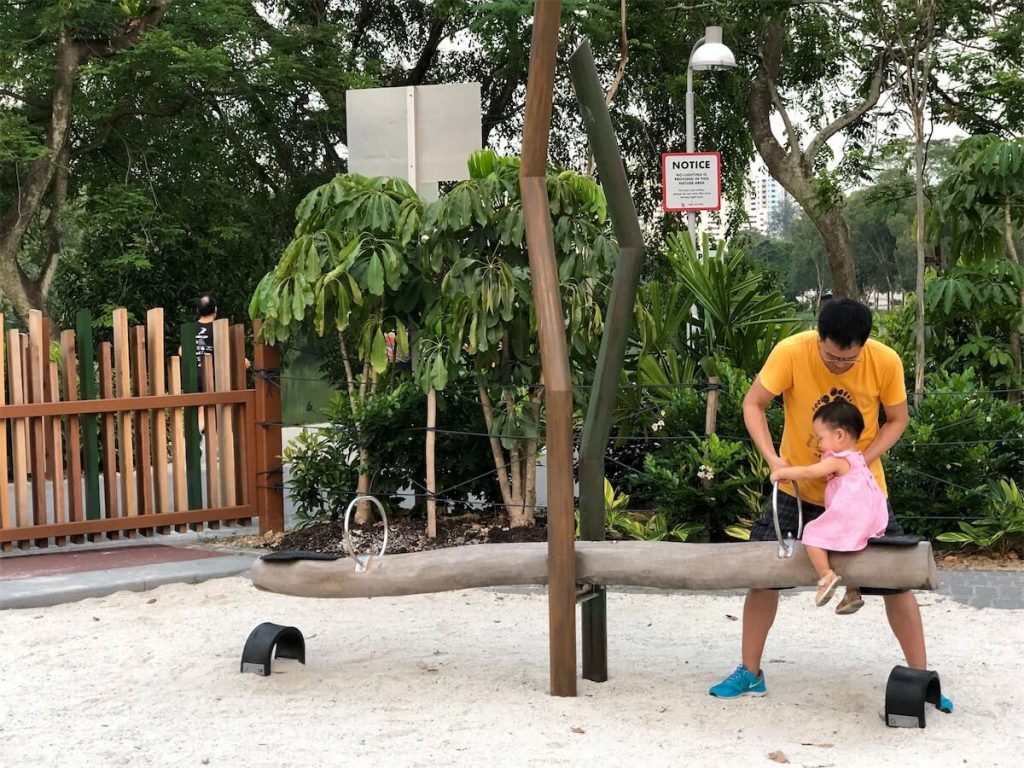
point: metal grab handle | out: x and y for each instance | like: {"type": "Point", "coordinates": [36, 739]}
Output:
{"type": "Point", "coordinates": [363, 560]}
{"type": "Point", "coordinates": [786, 545]}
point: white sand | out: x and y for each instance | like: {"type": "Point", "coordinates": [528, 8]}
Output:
{"type": "Point", "coordinates": [461, 678]}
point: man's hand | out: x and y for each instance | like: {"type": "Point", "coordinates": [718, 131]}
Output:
{"type": "Point", "coordinates": [775, 464]}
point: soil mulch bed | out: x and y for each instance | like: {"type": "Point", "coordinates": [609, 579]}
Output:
{"type": "Point", "coordinates": [407, 534]}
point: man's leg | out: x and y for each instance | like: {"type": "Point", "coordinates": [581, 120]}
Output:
{"type": "Point", "coordinates": [759, 611]}
{"type": "Point", "coordinates": [905, 619]}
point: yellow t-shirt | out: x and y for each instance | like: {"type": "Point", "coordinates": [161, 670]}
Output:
{"type": "Point", "coordinates": [795, 370]}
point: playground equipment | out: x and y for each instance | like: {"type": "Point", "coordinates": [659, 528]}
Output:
{"type": "Point", "coordinates": [657, 564]}
{"type": "Point", "coordinates": [264, 640]}
{"type": "Point", "coordinates": [580, 571]}
{"type": "Point", "coordinates": [906, 693]}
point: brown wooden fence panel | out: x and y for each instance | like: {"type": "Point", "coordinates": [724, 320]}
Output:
{"type": "Point", "coordinates": [238, 365]}
{"type": "Point", "coordinates": [157, 386]}
{"type": "Point", "coordinates": [69, 365]}
{"type": "Point", "coordinates": [211, 443]}
{"type": "Point", "coordinates": [6, 518]}
{"type": "Point", "coordinates": [141, 424]}
{"type": "Point", "coordinates": [225, 415]}
{"type": "Point", "coordinates": [140, 409]}
{"type": "Point", "coordinates": [108, 439]}
{"type": "Point", "coordinates": [56, 443]}
{"type": "Point", "coordinates": [33, 367]}
{"type": "Point", "coordinates": [19, 436]}
{"type": "Point", "coordinates": [178, 482]}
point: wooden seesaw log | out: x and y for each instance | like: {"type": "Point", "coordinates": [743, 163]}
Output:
{"type": "Point", "coordinates": [663, 565]}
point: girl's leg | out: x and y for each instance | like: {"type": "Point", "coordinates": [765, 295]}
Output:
{"type": "Point", "coordinates": [827, 578]}
{"type": "Point", "coordinates": [819, 559]}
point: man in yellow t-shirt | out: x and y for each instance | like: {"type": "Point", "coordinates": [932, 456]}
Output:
{"type": "Point", "coordinates": [837, 360]}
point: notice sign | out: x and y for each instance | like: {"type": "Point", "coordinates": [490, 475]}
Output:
{"type": "Point", "coordinates": [691, 181]}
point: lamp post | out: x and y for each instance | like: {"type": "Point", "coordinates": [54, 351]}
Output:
{"type": "Point", "coordinates": [708, 53]}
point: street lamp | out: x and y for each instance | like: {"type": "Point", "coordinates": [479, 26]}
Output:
{"type": "Point", "coordinates": [708, 53]}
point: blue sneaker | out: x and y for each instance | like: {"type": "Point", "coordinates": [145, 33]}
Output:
{"type": "Point", "coordinates": [945, 705]}
{"type": "Point", "coordinates": [742, 682]}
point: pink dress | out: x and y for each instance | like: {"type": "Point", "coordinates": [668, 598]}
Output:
{"type": "Point", "coordinates": [855, 509]}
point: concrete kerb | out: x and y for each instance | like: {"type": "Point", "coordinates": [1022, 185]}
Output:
{"type": "Point", "coordinates": [44, 591]}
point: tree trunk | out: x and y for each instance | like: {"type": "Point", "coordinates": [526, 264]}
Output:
{"type": "Point", "coordinates": [919, 350]}
{"type": "Point", "coordinates": [1015, 344]}
{"type": "Point", "coordinates": [496, 450]}
{"type": "Point", "coordinates": [23, 292]}
{"type": "Point", "coordinates": [363, 486]}
{"type": "Point", "coordinates": [793, 166]}
{"type": "Point", "coordinates": [431, 480]}
{"type": "Point", "coordinates": [518, 515]}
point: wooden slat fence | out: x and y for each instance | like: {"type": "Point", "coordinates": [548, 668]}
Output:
{"type": "Point", "coordinates": [103, 441]}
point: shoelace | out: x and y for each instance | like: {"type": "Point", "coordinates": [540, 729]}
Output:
{"type": "Point", "coordinates": [737, 674]}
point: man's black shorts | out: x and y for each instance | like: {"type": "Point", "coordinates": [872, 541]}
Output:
{"type": "Point", "coordinates": [764, 529]}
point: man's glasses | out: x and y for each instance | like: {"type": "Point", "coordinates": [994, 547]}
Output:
{"type": "Point", "coordinates": [829, 358]}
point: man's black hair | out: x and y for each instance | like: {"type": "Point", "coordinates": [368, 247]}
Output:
{"type": "Point", "coordinates": [844, 321]}
{"type": "Point", "coordinates": [841, 414]}
{"type": "Point", "coordinates": [207, 304]}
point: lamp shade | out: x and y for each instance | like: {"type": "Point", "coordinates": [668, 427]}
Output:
{"type": "Point", "coordinates": [712, 54]}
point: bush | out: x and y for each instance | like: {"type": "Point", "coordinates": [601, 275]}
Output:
{"type": "Point", "coordinates": [716, 481]}
{"type": "Point", "coordinates": [325, 462]}
{"type": "Point", "coordinates": [959, 438]}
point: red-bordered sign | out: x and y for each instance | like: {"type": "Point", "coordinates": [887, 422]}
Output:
{"type": "Point", "coordinates": [691, 181]}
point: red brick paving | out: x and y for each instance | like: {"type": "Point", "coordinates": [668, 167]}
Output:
{"type": "Point", "coordinates": [106, 558]}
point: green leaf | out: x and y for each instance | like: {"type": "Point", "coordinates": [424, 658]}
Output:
{"type": "Point", "coordinates": [401, 339]}
{"type": "Point", "coordinates": [379, 352]}
{"type": "Point", "coordinates": [375, 276]}
{"type": "Point", "coordinates": [438, 373]}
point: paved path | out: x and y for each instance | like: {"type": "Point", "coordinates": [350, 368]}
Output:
{"type": "Point", "coordinates": [38, 579]}
{"type": "Point", "coordinates": [983, 589]}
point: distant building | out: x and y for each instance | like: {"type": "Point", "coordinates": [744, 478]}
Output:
{"type": "Point", "coordinates": [766, 200]}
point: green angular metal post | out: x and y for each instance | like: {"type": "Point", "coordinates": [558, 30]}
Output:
{"type": "Point", "coordinates": [618, 323]}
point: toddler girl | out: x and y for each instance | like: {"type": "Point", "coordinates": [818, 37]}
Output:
{"type": "Point", "coordinates": [855, 507]}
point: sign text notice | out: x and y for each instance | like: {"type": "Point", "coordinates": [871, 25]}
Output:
{"type": "Point", "coordinates": [691, 181]}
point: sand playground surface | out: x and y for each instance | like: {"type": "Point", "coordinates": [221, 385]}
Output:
{"type": "Point", "coordinates": [461, 679]}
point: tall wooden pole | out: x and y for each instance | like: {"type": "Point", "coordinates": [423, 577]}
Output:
{"type": "Point", "coordinates": [553, 351]}
{"type": "Point", "coordinates": [618, 321]}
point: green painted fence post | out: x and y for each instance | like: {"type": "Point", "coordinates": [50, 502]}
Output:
{"type": "Point", "coordinates": [86, 351]}
{"type": "Point", "coordinates": [189, 384]}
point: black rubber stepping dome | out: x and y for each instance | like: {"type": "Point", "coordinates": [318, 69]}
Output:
{"type": "Point", "coordinates": [906, 694]}
{"type": "Point", "coordinates": [263, 641]}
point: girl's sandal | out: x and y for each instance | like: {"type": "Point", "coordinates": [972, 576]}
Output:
{"type": "Point", "coordinates": [826, 588]}
{"type": "Point", "coordinates": [848, 605]}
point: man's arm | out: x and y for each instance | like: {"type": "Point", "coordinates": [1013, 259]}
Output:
{"type": "Point", "coordinates": [896, 419]}
{"type": "Point", "coordinates": [754, 406]}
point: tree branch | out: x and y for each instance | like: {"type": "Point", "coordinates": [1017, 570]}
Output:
{"type": "Point", "coordinates": [429, 50]}
{"type": "Point", "coordinates": [111, 123]}
{"type": "Point", "coordinates": [499, 104]}
{"type": "Point", "coordinates": [760, 102]}
{"type": "Point", "coordinates": [134, 27]}
{"type": "Point", "coordinates": [846, 119]}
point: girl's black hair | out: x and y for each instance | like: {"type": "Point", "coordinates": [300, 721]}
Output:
{"type": "Point", "coordinates": [841, 414]}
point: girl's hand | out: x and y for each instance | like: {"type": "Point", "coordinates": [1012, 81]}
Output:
{"type": "Point", "coordinates": [779, 474]}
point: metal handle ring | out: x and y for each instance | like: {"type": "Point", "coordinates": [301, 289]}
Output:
{"type": "Point", "coordinates": [362, 560]}
{"type": "Point", "coordinates": [786, 547]}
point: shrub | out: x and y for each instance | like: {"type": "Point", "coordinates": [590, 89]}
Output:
{"type": "Point", "coordinates": [959, 438]}
{"type": "Point", "coordinates": [324, 463]}
{"type": "Point", "coordinates": [719, 481]}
